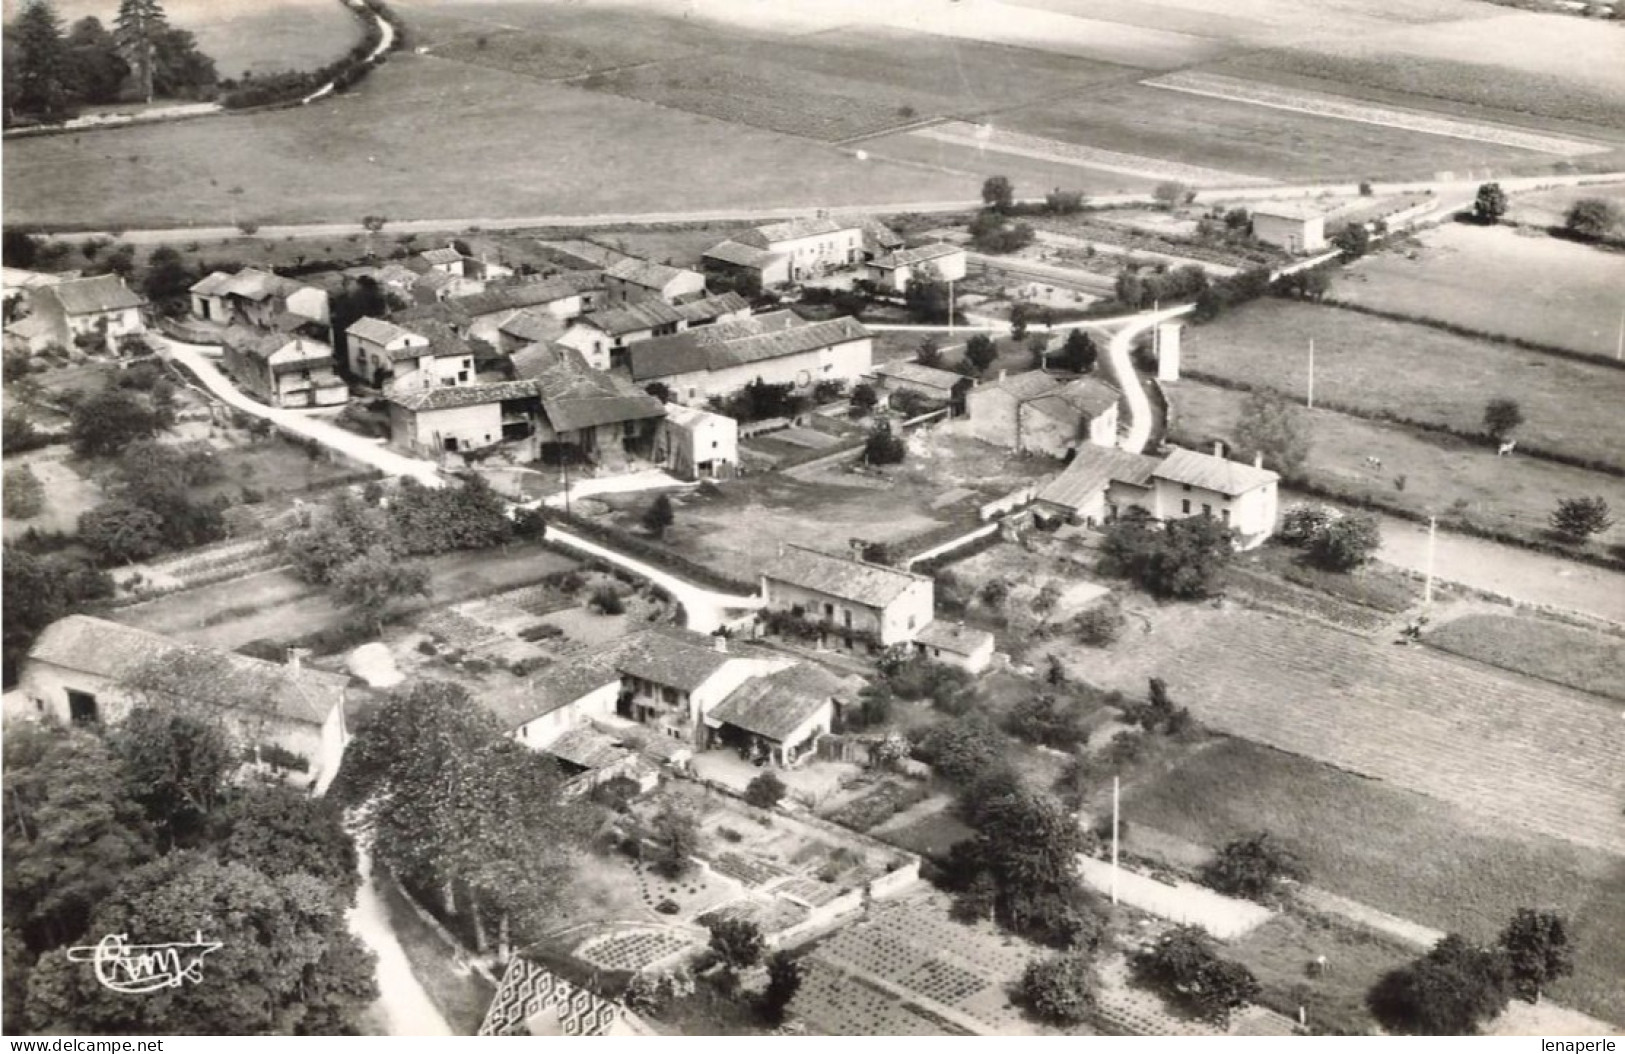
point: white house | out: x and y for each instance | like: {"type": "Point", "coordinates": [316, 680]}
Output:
{"type": "Point", "coordinates": [847, 597]}
{"type": "Point", "coordinates": [252, 297]}
{"type": "Point", "coordinates": [286, 370]}
{"type": "Point", "coordinates": [775, 348]}
{"type": "Point", "coordinates": [1042, 413]}
{"type": "Point", "coordinates": [782, 253]}
{"type": "Point", "coordinates": [630, 280]}
{"type": "Point", "coordinates": [697, 444]}
{"type": "Point", "coordinates": [954, 644]}
{"type": "Point", "coordinates": [102, 309]}
{"type": "Point", "coordinates": [940, 261]}
{"type": "Point", "coordinates": [1244, 497]}
{"type": "Point", "coordinates": [1295, 228]}
{"type": "Point", "coordinates": [373, 346]}
{"type": "Point", "coordinates": [88, 671]}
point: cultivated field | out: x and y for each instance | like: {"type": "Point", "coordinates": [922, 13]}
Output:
{"type": "Point", "coordinates": [1523, 752]}
{"type": "Point", "coordinates": [423, 138]}
{"type": "Point", "coordinates": [1377, 366]}
{"type": "Point", "coordinates": [1501, 280]}
{"type": "Point", "coordinates": [1030, 175]}
{"type": "Point", "coordinates": [244, 36]}
{"type": "Point", "coordinates": [1590, 662]}
{"type": "Point", "coordinates": [1401, 853]}
{"type": "Point", "coordinates": [1443, 475]}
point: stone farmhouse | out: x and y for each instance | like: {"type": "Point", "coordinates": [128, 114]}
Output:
{"type": "Point", "coordinates": [1039, 413]}
{"type": "Point", "coordinates": [430, 354]}
{"type": "Point", "coordinates": [940, 262]}
{"type": "Point", "coordinates": [286, 370]}
{"type": "Point", "coordinates": [778, 254]}
{"type": "Point", "coordinates": [925, 381]}
{"type": "Point", "coordinates": [696, 444]}
{"type": "Point", "coordinates": [604, 336]}
{"type": "Point", "coordinates": [1100, 484]}
{"type": "Point", "coordinates": [631, 280]}
{"type": "Point", "coordinates": [565, 297]}
{"type": "Point", "coordinates": [102, 311]}
{"type": "Point", "coordinates": [851, 599]}
{"type": "Point", "coordinates": [88, 671]}
{"type": "Point", "coordinates": [1295, 228]}
{"type": "Point", "coordinates": [776, 348]}
{"type": "Point", "coordinates": [256, 298]}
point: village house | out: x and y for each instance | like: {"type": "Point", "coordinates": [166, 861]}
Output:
{"type": "Point", "coordinates": [252, 297]}
{"type": "Point", "coordinates": [939, 262]}
{"type": "Point", "coordinates": [940, 386]}
{"type": "Point", "coordinates": [1039, 413]}
{"type": "Point", "coordinates": [285, 370]}
{"type": "Point", "coordinates": [879, 239]}
{"type": "Point", "coordinates": [632, 280]}
{"type": "Point", "coordinates": [88, 671]}
{"type": "Point", "coordinates": [778, 718]}
{"type": "Point", "coordinates": [439, 357]}
{"type": "Point", "coordinates": [100, 311]}
{"type": "Point", "coordinates": [452, 261]}
{"type": "Point", "coordinates": [526, 327]}
{"type": "Point", "coordinates": [373, 343]}
{"type": "Point", "coordinates": [954, 644]}
{"type": "Point", "coordinates": [29, 332]}
{"type": "Point", "coordinates": [848, 598]}
{"type": "Point", "coordinates": [696, 444]}
{"type": "Point", "coordinates": [1295, 228]}
{"type": "Point", "coordinates": [775, 348]}
{"type": "Point", "coordinates": [433, 286]}
{"type": "Point", "coordinates": [565, 297]}
{"type": "Point", "coordinates": [603, 336]}
{"type": "Point", "coordinates": [777, 254]}
{"type": "Point", "coordinates": [1099, 485]}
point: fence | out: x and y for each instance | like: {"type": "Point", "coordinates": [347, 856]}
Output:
{"type": "Point", "coordinates": [1010, 502]}
{"type": "Point", "coordinates": [952, 544]}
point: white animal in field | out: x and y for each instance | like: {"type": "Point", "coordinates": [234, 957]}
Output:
{"type": "Point", "coordinates": [1506, 448]}
{"type": "Point", "coordinates": [1373, 462]}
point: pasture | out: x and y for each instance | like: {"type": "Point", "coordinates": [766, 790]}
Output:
{"type": "Point", "coordinates": [1500, 280]}
{"type": "Point", "coordinates": [1552, 651]}
{"type": "Point", "coordinates": [1547, 208]}
{"type": "Point", "coordinates": [1402, 853]}
{"type": "Point", "coordinates": [423, 137]}
{"type": "Point", "coordinates": [244, 36]}
{"type": "Point", "coordinates": [1377, 366]}
{"type": "Point", "coordinates": [1443, 476]}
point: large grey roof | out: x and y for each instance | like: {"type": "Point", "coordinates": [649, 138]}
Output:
{"type": "Point", "coordinates": [1217, 474]}
{"type": "Point", "coordinates": [1093, 468]}
{"type": "Point", "coordinates": [779, 703]}
{"type": "Point", "coordinates": [92, 296]}
{"type": "Point", "coordinates": [720, 346]}
{"type": "Point", "coordinates": [871, 585]}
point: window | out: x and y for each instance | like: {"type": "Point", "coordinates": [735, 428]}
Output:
{"type": "Point", "coordinates": [911, 622]}
{"type": "Point", "coordinates": [1207, 510]}
{"type": "Point", "coordinates": [81, 707]}
{"type": "Point", "coordinates": [829, 610]}
{"type": "Point", "coordinates": [1186, 488]}
{"type": "Point", "coordinates": [1185, 506]}
{"type": "Point", "coordinates": [1226, 516]}
{"type": "Point", "coordinates": [462, 376]}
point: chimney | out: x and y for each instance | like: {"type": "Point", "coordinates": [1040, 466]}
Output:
{"type": "Point", "coordinates": [722, 644]}
{"type": "Point", "coordinates": [1258, 459]}
{"type": "Point", "coordinates": [1218, 449]}
{"type": "Point", "coordinates": [296, 659]}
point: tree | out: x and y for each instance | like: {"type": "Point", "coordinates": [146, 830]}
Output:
{"type": "Point", "coordinates": [97, 69]}
{"type": "Point", "coordinates": [765, 791]}
{"type": "Point", "coordinates": [168, 280]}
{"type": "Point", "coordinates": [1354, 240]}
{"type": "Point", "coordinates": [1184, 558]}
{"type": "Point", "coordinates": [929, 354]}
{"type": "Point", "coordinates": [280, 831]}
{"type": "Point", "coordinates": [659, 516]}
{"type": "Point", "coordinates": [121, 532]}
{"type": "Point", "coordinates": [1270, 426]}
{"type": "Point", "coordinates": [179, 68]}
{"type": "Point", "coordinates": [346, 530]}
{"type": "Point", "coordinates": [961, 750]}
{"type": "Point", "coordinates": [927, 295]}
{"type": "Point", "coordinates": [981, 352]}
{"type": "Point", "coordinates": [1254, 866]}
{"type": "Point", "coordinates": [286, 962]}
{"type": "Point", "coordinates": [42, 60]}
{"type": "Point", "coordinates": [137, 28]}
{"type": "Point", "coordinates": [783, 982]}
{"type": "Point", "coordinates": [374, 580]}
{"type": "Point", "coordinates": [1346, 543]}
{"type": "Point", "coordinates": [25, 494]}
{"type": "Point", "coordinates": [111, 420]}
{"type": "Point", "coordinates": [1592, 218]}
{"type": "Point", "coordinates": [1049, 720]}
{"type": "Point", "coordinates": [864, 398]}
{"type": "Point", "coordinates": [71, 832]}
{"type": "Point", "coordinates": [677, 838]}
{"type": "Point", "coordinates": [884, 447]}
{"type": "Point", "coordinates": [1060, 990]}
{"type": "Point", "coordinates": [737, 942]}
{"type": "Point", "coordinates": [998, 194]}
{"type": "Point", "coordinates": [38, 590]}
{"type": "Point", "coordinates": [1539, 950]}
{"type": "Point", "coordinates": [1020, 313]}
{"type": "Point", "coordinates": [1184, 966]}
{"type": "Point", "coordinates": [1079, 354]}
{"type": "Point", "coordinates": [1027, 845]}
{"type": "Point", "coordinates": [1100, 624]}
{"type": "Point", "coordinates": [659, 391]}
{"type": "Point", "coordinates": [1491, 203]}
{"type": "Point", "coordinates": [19, 248]}
{"type": "Point", "coordinates": [1447, 992]}
{"type": "Point", "coordinates": [992, 232]}
{"type": "Point", "coordinates": [1170, 194]}
{"type": "Point", "coordinates": [1579, 518]}
{"type": "Point", "coordinates": [1502, 418]}
{"type": "Point", "coordinates": [177, 765]}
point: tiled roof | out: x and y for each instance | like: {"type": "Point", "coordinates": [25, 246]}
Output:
{"type": "Point", "coordinates": [692, 416]}
{"type": "Point", "coordinates": [958, 639]}
{"type": "Point", "coordinates": [1023, 386]}
{"type": "Point", "coordinates": [197, 674]}
{"type": "Point", "coordinates": [741, 255]}
{"type": "Point", "coordinates": [717, 347]}
{"type": "Point", "coordinates": [31, 326]}
{"type": "Point", "coordinates": [588, 749]}
{"type": "Point", "coordinates": [443, 311]}
{"type": "Point", "coordinates": [444, 343]}
{"type": "Point", "coordinates": [591, 253]}
{"type": "Point", "coordinates": [531, 326]}
{"type": "Point", "coordinates": [1092, 469]}
{"type": "Point", "coordinates": [434, 257]}
{"type": "Point", "coordinates": [913, 257]}
{"type": "Point", "coordinates": [712, 307]}
{"type": "Point", "coordinates": [530, 361]}
{"type": "Point", "coordinates": [871, 585]}
{"type": "Point", "coordinates": [633, 318]}
{"type": "Point", "coordinates": [1213, 473]}
{"type": "Point", "coordinates": [576, 396]}
{"type": "Point", "coordinates": [790, 230]}
{"type": "Point", "coordinates": [452, 397]}
{"type": "Point", "coordinates": [551, 688]}
{"type": "Point", "coordinates": [915, 373]}
{"type": "Point", "coordinates": [1287, 211]}
{"type": "Point", "coordinates": [663, 659]}
{"type": "Point", "coordinates": [92, 296]}
{"type": "Point", "coordinates": [250, 284]}
{"type": "Point", "coordinates": [644, 273]}
{"type": "Point", "coordinates": [435, 281]}
{"type": "Point", "coordinates": [512, 297]}
{"type": "Point", "coordinates": [878, 236]}
{"type": "Point", "coordinates": [1076, 402]}
{"type": "Point", "coordinates": [215, 283]}
{"type": "Point", "coordinates": [378, 330]}
{"type": "Point", "coordinates": [776, 705]}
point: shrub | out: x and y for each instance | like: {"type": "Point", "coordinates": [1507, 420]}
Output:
{"type": "Point", "coordinates": [606, 600]}
{"type": "Point", "coordinates": [1303, 522]}
{"type": "Point", "coordinates": [1185, 968]}
{"type": "Point", "coordinates": [765, 791]}
{"type": "Point", "coordinates": [1101, 624]}
{"type": "Point", "coordinates": [677, 838]}
{"type": "Point", "coordinates": [1061, 989]}
{"type": "Point", "coordinates": [1049, 720]}
{"type": "Point", "coordinates": [1254, 867]}
{"type": "Point", "coordinates": [1346, 543]}
{"type": "Point", "coordinates": [884, 447]}
{"type": "Point", "coordinates": [1577, 519]}
{"type": "Point", "coordinates": [24, 493]}
{"type": "Point", "coordinates": [1447, 992]}
{"type": "Point", "coordinates": [737, 942]}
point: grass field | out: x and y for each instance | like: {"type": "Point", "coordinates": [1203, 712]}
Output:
{"type": "Point", "coordinates": [1031, 176]}
{"type": "Point", "coordinates": [1512, 494]}
{"type": "Point", "coordinates": [1501, 280]}
{"type": "Point", "coordinates": [1591, 662]}
{"type": "Point", "coordinates": [1402, 853]}
{"type": "Point", "coordinates": [254, 36]}
{"type": "Point", "coordinates": [1546, 208]}
{"type": "Point", "coordinates": [1376, 366]}
{"type": "Point", "coordinates": [424, 138]}
{"type": "Point", "coordinates": [1279, 953]}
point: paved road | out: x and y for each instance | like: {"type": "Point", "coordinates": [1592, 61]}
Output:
{"type": "Point", "coordinates": [402, 1003]}
{"type": "Point", "coordinates": [1121, 362]}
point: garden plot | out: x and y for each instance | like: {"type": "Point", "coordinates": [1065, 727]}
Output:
{"type": "Point", "coordinates": [67, 494]}
{"type": "Point", "coordinates": [834, 1003]}
{"type": "Point", "coordinates": [1234, 89]}
{"type": "Point", "coordinates": [633, 951]}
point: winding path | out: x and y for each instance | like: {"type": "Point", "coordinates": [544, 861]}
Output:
{"type": "Point", "coordinates": [1120, 360]}
{"type": "Point", "coordinates": [404, 1007]}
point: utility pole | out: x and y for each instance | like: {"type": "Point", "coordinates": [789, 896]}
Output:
{"type": "Point", "coordinates": [1117, 800]}
{"type": "Point", "coordinates": [1427, 586]}
{"type": "Point", "coordinates": [1619, 349]}
{"type": "Point", "coordinates": [951, 307]}
{"type": "Point", "coordinates": [1310, 402]}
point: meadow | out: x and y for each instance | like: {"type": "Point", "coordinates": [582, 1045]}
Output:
{"type": "Point", "coordinates": [423, 138]}
{"type": "Point", "coordinates": [1401, 853]}
{"type": "Point", "coordinates": [1377, 366]}
{"type": "Point", "coordinates": [1547, 208]}
{"type": "Point", "coordinates": [1500, 280]}
{"type": "Point", "coordinates": [1552, 651]}
{"type": "Point", "coordinates": [1444, 476]}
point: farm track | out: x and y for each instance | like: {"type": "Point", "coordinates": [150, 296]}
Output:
{"type": "Point", "coordinates": [1540, 756]}
{"type": "Point", "coordinates": [1055, 151]}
